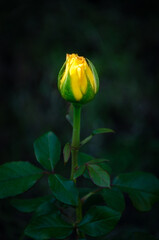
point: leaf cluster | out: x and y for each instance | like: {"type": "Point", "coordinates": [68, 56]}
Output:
{"type": "Point", "coordinates": [54, 215]}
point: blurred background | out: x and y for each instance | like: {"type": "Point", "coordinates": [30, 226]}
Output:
{"type": "Point", "coordinates": [121, 38]}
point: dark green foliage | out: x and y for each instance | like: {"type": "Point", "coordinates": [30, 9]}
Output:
{"type": "Point", "coordinates": [113, 198]}
{"type": "Point", "coordinates": [63, 189]}
{"type": "Point", "coordinates": [105, 166]}
{"type": "Point", "coordinates": [48, 226]}
{"type": "Point", "coordinates": [99, 176]}
{"type": "Point", "coordinates": [17, 177]}
{"type": "Point", "coordinates": [30, 205]}
{"type": "Point", "coordinates": [47, 207]}
{"type": "Point", "coordinates": [47, 150]}
{"type": "Point", "coordinates": [50, 218]}
{"type": "Point", "coordinates": [99, 220]}
{"type": "Point", "coordinates": [97, 170]}
{"type": "Point", "coordinates": [84, 158]}
{"type": "Point", "coordinates": [54, 216]}
{"type": "Point", "coordinates": [142, 188]}
{"type": "Point", "coordinates": [79, 171]}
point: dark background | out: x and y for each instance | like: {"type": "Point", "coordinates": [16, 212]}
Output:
{"type": "Point", "coordinates": [121, 38]}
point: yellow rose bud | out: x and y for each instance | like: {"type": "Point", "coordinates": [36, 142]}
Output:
{"type": "Point", "coordinates": [78, 80]}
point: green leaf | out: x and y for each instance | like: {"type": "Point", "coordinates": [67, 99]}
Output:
{"type": "Point", "coordinates": [46, 207]}
{"type": "Point", "coordinates": [63, 189]}
{"type": "Point", "coordinates": [113, 198]}
{"type": "Point", "coordinates": [47, 150]}
{"type": "Point", "coordinates": [86, 174]}
{"type": "Point", "coordinates": [105, 167]}
{"type": "Point", "coordinates": [102, 163]}
{"type": "Point", "coordinates": [99, 176]}
{"type": "Point", "coordinates": [30, 205]}
{"type": "Point", "coordinates": [99, 220]}
{"type": "Point", "coordinates": [102, 130]}
{"type": "Point", "coordinates": [48, 226]}
{"type": "Point", "coordinates": [96, 131]}
{"type": "Point", "coordinates": [66, 152]}
{"type": "Point", "coordinates": [17, 177]}
{"type": "Point", "coordinates": [79, 171]}
{"type": "Point", "coordinates": [84, 158]}
{"type": "Point", "coordinates": [142, 188]}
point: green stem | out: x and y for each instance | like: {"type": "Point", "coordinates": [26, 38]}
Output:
{"type": "Point", "coordinates": [74, 150]}
{"type": "Point", "coordinates": [75, 138]}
